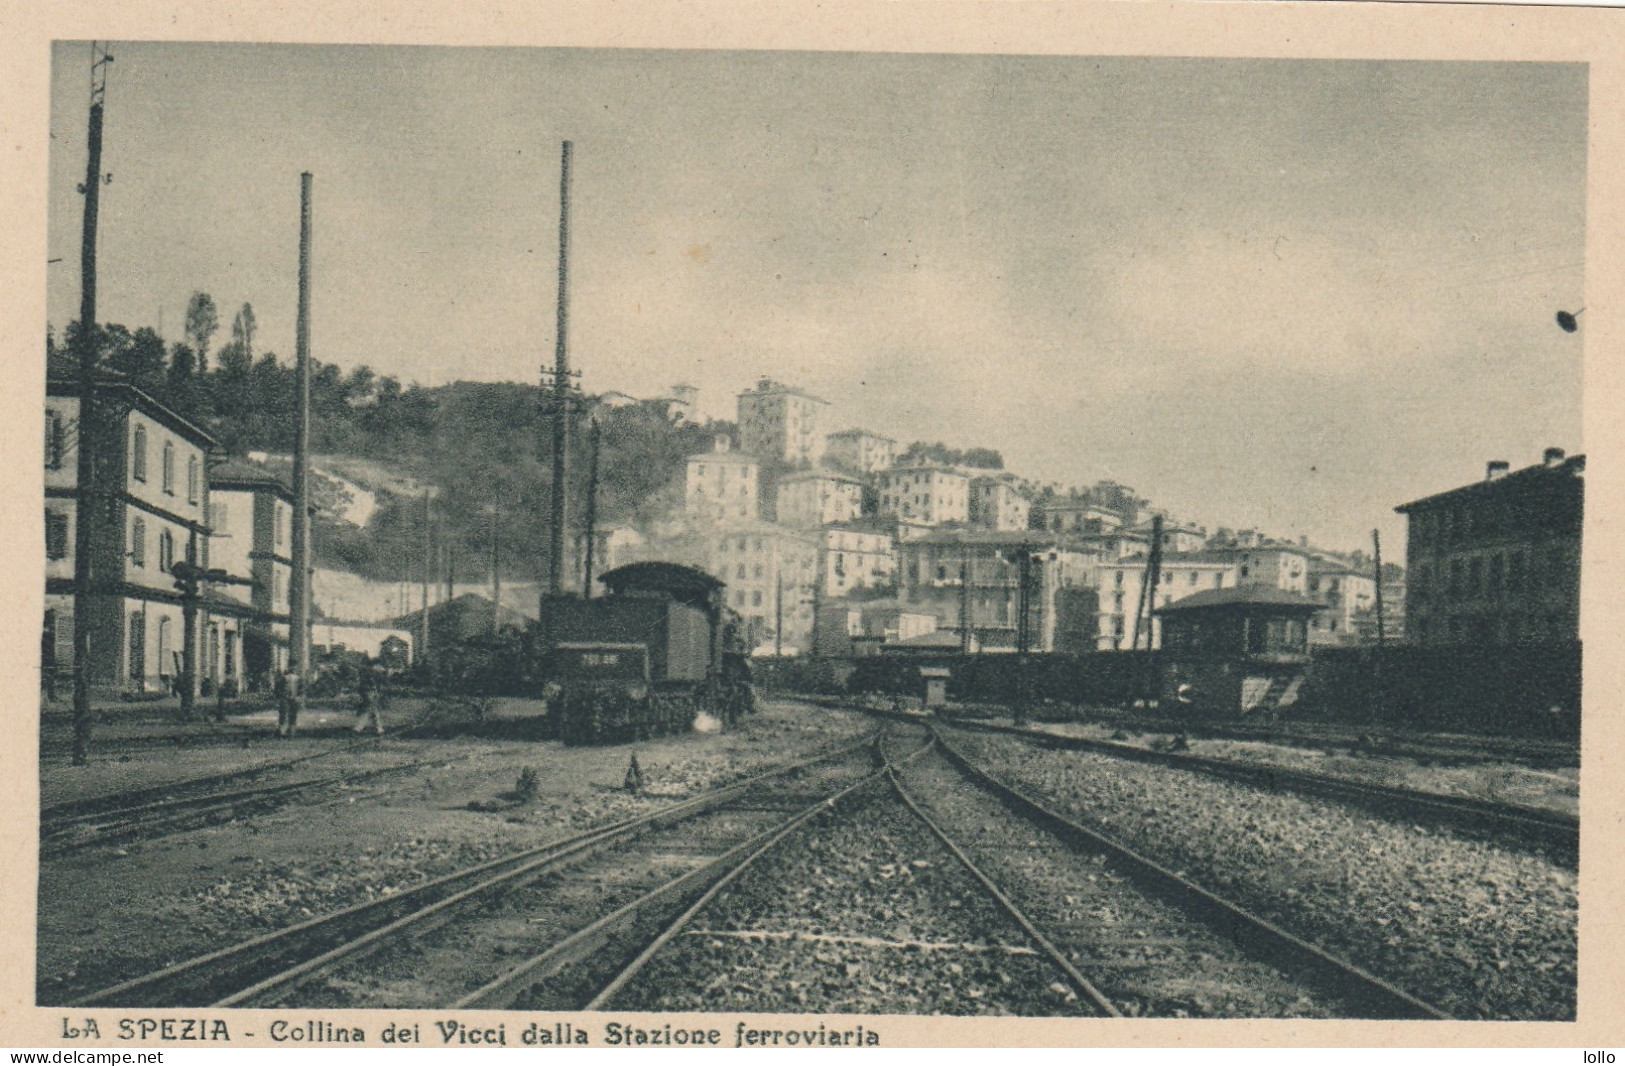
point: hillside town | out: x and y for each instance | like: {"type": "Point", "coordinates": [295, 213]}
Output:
{"type": "Point", "coordinates": [831, 543]}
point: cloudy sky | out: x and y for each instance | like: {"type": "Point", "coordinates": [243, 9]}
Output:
{"type": "Point", "coordinates": [1286, 294]}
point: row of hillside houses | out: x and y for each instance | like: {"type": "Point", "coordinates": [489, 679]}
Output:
{"type": "Point", "coordinates": [163, 499]}
{"type": "Point", "coordinates": [819, 535]}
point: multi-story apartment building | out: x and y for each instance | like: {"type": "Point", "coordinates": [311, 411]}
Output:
{"type": "Point", "coordinates": [845, 625]}
{"type": "Point", "coordinates": [151, 492]}
{"type": "Point", "coordinates": [856, 555]}
{"type": "Point", "coordinates": [251, 535]}
{"type": "Point", "coordinates": [722, 486]}
{"type": "Point", "coordinates": [1177, 536]}
{"type": "Point", "coordinates": [770, 571]}
{"type": "Point", "coordinates": [1273, 565]}
{"type": "Point", "coordinates": [859, 451]}
{"type": "Point", "coordinates": [1076, 516]}
{"type": "Point", "coordinates": [811, 498]}
{"type": "Point", "coordinates": [1346, 595]}
{"type": "Point", "coordinates": [1122, 586]}
{"type": "Point", "coordinates": [781, 424]}
{"type": "Point", "coordinates": [1498, 561]}
{"type": "Point", "coordinates": [925, 495]}
{"type": "Point", "coordinates": [997, 504]}
{"type": "Point", "coordinates": [973, 577]}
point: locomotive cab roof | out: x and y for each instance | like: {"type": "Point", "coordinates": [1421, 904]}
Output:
{"type": "Point", "coordinates": [683, 583]}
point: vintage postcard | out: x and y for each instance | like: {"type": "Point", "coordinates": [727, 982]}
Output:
{"type": "Point", "coordinates": [837, 526]}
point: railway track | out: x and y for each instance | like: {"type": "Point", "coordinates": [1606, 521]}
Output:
{"type": "Point", "coordinates": [349, 954]}
{"type": "Point", "coordinates": [1186, 936]}
{"type": "Point", "coordinates": [105, 827]}
{"type": "Point", "coordinates": [62, 818]}
{"type": "Point", "coordinates": [1556, 834]}
{"type": "Point", "coordinates": [1115, 933]}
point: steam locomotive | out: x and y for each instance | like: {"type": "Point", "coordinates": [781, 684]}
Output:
{"type": "Point", "coordinates": [646, 660]}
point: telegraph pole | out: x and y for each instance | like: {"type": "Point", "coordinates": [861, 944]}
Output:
{"type": "Point", "coordinates": [595, 437]}
{"type": "Point", "coordinates": [496, 571]}
{"type": "Point", "coordinates": [428, 555]}
{"type": "Point", "coordinates": [299, 629]}
{"type": "Point", "coordinates": [964, 604]}
{"type": "Point", "coordinates": [778, 613]}
{"type": "Point", "coordinates": [1376, 551]}
{"type": "Point", "coordinates": [85, 512]}
{"type": "Point", "coordinates": [561, 387]}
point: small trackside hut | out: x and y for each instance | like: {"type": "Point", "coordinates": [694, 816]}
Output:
{"type": "Point", "coordinates": [1235, 651]}
{"type": "Point", "coordinates": [643, 661]}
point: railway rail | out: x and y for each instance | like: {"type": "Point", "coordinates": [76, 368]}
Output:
{"type": "Point", "coordinates": [1123, 934]}
{"type": "Point", "coordinates": [144, 821]}
{"type": "Point", "coordinates": [258, 971]}
{"type": "Point", "coordinates": [65, 815]}
{"type": "Point", "coordinates": [1557, 834]}
{"type": "Point", "coordinates": [1332, 977]}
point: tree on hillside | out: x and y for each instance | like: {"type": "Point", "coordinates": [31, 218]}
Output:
{"type": "Point", "coordinates": [202, 322]}
{"type": "Point", "coordinates": [142, 359]}
{"type": "Point", "coordinates": [242, 330]}
{"type": "Point", "coordinates": [922, 452]}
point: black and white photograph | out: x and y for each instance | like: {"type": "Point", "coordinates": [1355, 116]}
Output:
{"type": "Point", "coordinates": [629, 536]}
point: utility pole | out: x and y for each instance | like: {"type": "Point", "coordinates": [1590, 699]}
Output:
{"type": "Point", "coordinates": [86, 518]}
{"type": "Point", "coordinates": [1378, 697]}
{"type": "Point", "coordinates": [964, 604]}
{"type": "Point", "coordinates": [561, 388]}
{"type": "Point", "coordinates": [428, 555]}
{"type": "Point", "coordinates": [496, 571]}
{"type": "Point", "coordinates": [1154, 576]}
{"type": "Point", "coordinates": [299, 629]}
{"type": "Point", "coordinates": [1376, 551]}
{"type": "Point", "coordinates": [592, 508]}
{"type": "Point", "coordinates": [778, 613]}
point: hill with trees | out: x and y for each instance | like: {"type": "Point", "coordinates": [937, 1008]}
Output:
{"type": "Point", "coordinates": [485, 446]}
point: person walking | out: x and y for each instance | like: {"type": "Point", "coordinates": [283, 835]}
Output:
{"type": "Point", "coordinates": [287, 690]}
{"type": "Point", "coordinates": [369, 698]}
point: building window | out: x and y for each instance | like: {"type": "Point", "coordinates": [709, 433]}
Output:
{"type": "Point", "coordinates": [277, 524]}
{"type": "Point", "coordinates": [168, 468]}
{"type": "Point", "coordinates": [219, 518]}
{"type": "Point", "coordinates": [138, 646]}
{"type": "Point", "coordinates": [53, 440]}
{"type": "Point", "coordinates": [138, 541]}
{"type": "Point", "coordinates": [1218, 580]}
{"type": "Point", "coordinates": [166, 551]}
{"type": "Point", "coordinates": [191, 479]}
{"type": "Point", "coordinates": [165, 639]}
{"type": "Point", "coordinates": [756, 599]}
{"type": "Point", "coordinates": [138, 454]}
{"type": "Point", "coordinates": [56, 535]}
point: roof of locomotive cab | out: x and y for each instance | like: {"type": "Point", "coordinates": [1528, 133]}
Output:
{"type": "Point", "coordinates": [681, 581]}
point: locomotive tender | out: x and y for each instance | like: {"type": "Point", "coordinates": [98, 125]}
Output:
{"type": "Point", "coordinates": [644, 661]}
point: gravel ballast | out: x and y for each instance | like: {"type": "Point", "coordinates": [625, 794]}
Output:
{"type": "Point", "coordinates": [863, 913]}
{"type": "Point", "coordinates": [1481, 931]}
{"type": "Point", "coordinates": [108, 914]}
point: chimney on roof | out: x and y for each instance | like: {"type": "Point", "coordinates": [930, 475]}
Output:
{"type": "Point", "coordinates": [1553, 456]}
{"type": "Point", "coordinates": [1496, 468]}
